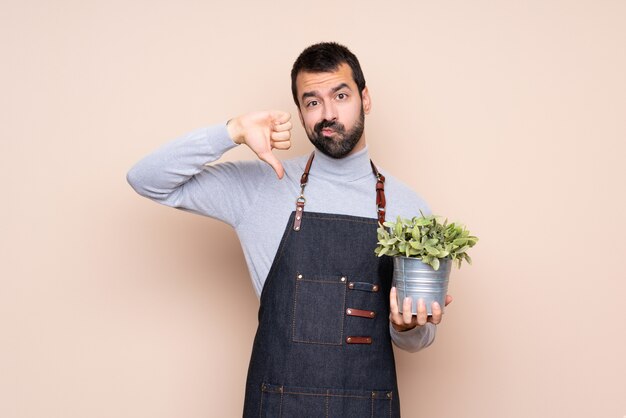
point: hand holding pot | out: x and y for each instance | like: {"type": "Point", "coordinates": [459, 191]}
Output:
{"type": "Point", "coordinates": [405, 321]}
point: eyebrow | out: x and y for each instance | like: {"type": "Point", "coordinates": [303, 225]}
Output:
{"type": "Point", "coordinates": [315, 93]}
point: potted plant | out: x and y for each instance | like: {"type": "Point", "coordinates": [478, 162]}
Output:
{"type": "Point", "coordinates": [424, 249]}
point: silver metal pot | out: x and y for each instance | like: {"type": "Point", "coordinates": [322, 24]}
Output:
{"type": "Point", "coordinates": [418, 280]}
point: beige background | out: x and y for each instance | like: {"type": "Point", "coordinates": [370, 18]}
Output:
{"type": "Point", "coordinates": [508, 116]}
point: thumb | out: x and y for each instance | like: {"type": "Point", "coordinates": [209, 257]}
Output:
{"type": "Point", "coordinates": [280, 116]}
{"type": "Point", "coordinates": [271, 159]}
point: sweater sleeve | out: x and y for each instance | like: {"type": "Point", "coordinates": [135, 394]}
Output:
{"type": "Point", "coordinates": [177, 175]}
{"type": "Point", "coordinates": [414, 339]}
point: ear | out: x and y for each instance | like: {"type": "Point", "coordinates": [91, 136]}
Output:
{"type": "Point", "coordinates": [367, 100]}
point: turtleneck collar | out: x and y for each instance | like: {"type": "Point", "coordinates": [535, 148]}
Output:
{"type": "Point", "coordinates": [350, 168]}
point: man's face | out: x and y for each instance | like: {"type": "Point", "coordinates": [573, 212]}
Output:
{"type": "Point", "coordinates": [332, 112]}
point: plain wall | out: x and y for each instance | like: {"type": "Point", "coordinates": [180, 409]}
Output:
{"type": "Point", "coordinates": [505, 115]}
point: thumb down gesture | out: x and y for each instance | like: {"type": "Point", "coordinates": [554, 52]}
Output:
{"type": "Point", "coordinates": [263, 131]}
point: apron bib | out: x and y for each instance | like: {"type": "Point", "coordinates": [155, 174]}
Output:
{"type": "Point", "coordinates": [322, 347]}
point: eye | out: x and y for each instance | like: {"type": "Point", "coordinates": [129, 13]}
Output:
{"type": "Point", "coordinates": [311, 103]}
{"type": "Point", "coordinates": [342, 96]}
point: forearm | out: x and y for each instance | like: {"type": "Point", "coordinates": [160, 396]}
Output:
{"type": "Point", "coordinates": [414, 339]}
{"type": "Point", "coordinates": [161, 174]}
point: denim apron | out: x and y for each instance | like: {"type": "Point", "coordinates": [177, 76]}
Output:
{"type": "Point", "coordinates": [322, 347]}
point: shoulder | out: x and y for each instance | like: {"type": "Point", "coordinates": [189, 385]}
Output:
{"type": "Point", "coordinates": [402, 200]}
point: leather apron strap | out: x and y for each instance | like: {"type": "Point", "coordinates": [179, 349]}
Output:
{"type": "Point", "coordinates": [381, 203]}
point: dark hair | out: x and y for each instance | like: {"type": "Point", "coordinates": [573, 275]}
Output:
{"type": "Point", "coordinates": [325, 57]}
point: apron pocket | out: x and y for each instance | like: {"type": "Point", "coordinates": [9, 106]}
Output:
{"type": "Point", "coordinates": [319, 309]}
{"type": "Point", "coordinates": [299, 402]}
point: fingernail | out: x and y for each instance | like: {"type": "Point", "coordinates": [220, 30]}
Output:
{"type": "Point", "coordinates": [436, 305]}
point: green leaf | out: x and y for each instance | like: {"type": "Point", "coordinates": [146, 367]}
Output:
{"type": "Point", "coordinates": [460, 241]}
{"type": "Point", "coordinates": [432, 241]}
{"type": "Point", "coordinates": [422, 222]}
{"type": "Point", "coordinates": [398, 229]}
{"type": "Point", "coordinates": [383, 251]}
{"type": "Point", "coordinates": [435, 263]}
{"type": "Point", "coordinates": [416, 245]}
{"type": "Point", "coordinates": [462, 249]}
{"type": "Point", "coordinates": [416, 233]}
{"type": "Point", "coordinates": [432, 250]}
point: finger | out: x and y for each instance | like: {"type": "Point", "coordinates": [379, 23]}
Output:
{"type": "Point", "coordinates": [279, 116]}
{"type": "Point", "coordinates": [281, 136]}
{"type": "Point", "coordinates": [280, 127]}
{"type": "Point", "coordinates": [407, 316]}
{"type": "Point", "coordinates": [393, 301]}
{"type": "Point", "coordinates": [269, 158]}
{"type": "Point", "coordinates": [422, 314]}
{"type": "Point", "coordinates": [282, 145]}
{"type": "Point", "coordinates": [394, 314]}
{"type": "Point", "coordinates": [448, 300]}
{"type": "Point", "coordinates": [436, 317]}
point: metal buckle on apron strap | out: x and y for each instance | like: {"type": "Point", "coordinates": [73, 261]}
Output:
{"type": "Point", "coordinates": [299, 209]}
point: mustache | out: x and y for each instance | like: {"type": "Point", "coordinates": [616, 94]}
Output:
{"type": "Point", "coordinates": [328, 124]}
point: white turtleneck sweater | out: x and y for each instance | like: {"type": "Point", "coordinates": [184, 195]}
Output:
{"type": "Point", "coordinates": [248, 196]}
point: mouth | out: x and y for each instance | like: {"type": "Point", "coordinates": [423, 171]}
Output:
{"type": "Point", "coordinates": [328, 131]}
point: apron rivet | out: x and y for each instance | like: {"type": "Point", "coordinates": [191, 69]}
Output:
{"type": "Point", "coordinates": [297, 217]}
{"type": "Point", "coordinates": [375, 288]}
{"type": "Point", "coordinates": [372, 314]}
{"type": "Point", "coordinates": [343, 279]}
{"type": "Point", "coordinates": [299, 276]}
{"type": "Point", "coordinates": [351, 285]}
{"type": "Point", "coordinates": [373, 394]}
{"type": "Point", "coordinates": [349, 311]}
{"type": "Point", "coordinates": [297, 228]}
{"type": "Point", "coordinates": [389, 395]}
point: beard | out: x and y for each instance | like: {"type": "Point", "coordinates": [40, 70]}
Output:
{"type": "Point", "coordinates": [341, 142]}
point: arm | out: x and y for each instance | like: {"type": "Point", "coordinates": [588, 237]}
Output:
{"type": "Point", "coordinates": [176, 174]}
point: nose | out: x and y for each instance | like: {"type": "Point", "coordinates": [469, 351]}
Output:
{"type": "Point", "coordinates": [330, 111]}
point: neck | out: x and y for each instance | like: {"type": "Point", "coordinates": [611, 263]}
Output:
{"type": "Point", "coordinates": [353, 166]}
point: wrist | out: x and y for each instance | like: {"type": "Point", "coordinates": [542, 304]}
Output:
{"type": "Point", "coordinates": [403, 328]}
{"type": "Point", "coordinates": [233, 126]}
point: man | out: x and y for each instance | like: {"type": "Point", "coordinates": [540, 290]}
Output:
{"type": "Point", "coordinates": [308, 230]}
